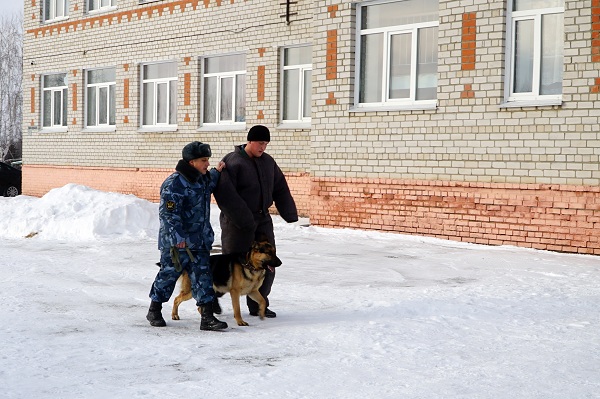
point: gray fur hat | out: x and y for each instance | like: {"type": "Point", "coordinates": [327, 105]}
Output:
{"type": "Point", "coordinates": [195, 150]}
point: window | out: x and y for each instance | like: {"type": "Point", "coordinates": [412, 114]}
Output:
{"type": "Point", "coordinates": [225, 89]}
{"type": "Point", "coordinates": [96, 5]}
{"type": "Point", "coordinates": [536, 50]}
{"type": "Point", "coordinates": [297, 74]}
{"type": "Point", "coordinates": [159, 94]}
{"type": "Point", "coordinates": [397, 53]}
{"type": "Point", "coordinates": [54, 100]}
{"type": "Point", "coordinates": [100, 97]}
{"type": "Point", "coordinates": [55, 9]}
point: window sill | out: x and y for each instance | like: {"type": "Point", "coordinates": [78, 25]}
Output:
{"type": "Point", "coordinates": [424, 106]}
{"type": "Point", "coordinates": [99, 129]}
{"type": "Point", "coordinates": [53, 130]}
{"type": "Point", "coordinates": [221, 128]}
{"type": "Point", "coordinates": [102, 10]}
{"type": "Point", "coordinates": [157, 129]}
{"type": "Point", "coordinates": [294, 125]}
{"type": "Point", "coordinates": [57, 19]}
{"type": "Point", "coordinates": [531, 103]}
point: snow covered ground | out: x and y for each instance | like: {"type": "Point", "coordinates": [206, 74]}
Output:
{"type": "Point", "coordinates": [360, 314]}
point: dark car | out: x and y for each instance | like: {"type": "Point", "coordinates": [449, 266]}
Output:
{"type": "Point", "coordinates": [10, 180]}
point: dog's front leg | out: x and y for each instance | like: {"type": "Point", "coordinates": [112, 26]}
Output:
{"type": "Point", "coordinates": [237, 312]}
{"type": "Point", "coordinates": [262, 304]}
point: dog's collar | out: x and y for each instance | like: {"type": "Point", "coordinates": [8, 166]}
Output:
{"type": "Point", "coordinates": [247, 265]}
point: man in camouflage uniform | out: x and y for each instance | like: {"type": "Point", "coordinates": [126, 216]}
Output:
{"type": "Point", "coordinates": [186, 236]}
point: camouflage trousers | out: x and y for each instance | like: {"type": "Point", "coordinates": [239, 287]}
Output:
{"type": "Point", "coordinates": [198, 270]}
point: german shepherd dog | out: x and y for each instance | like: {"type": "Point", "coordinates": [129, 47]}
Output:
{"type": "Point", "coordinates": [239, 274]}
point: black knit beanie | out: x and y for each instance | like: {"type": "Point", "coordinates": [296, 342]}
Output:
{"type": "Point", "coordinates": [195, 150]}
{"type": "Point", "coordinates": [259, 133]}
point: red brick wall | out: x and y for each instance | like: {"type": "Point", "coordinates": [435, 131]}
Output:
{"type": "Point", "coordinates": [549, 217]}
{"type": "Point", "coordinates": [143, 183]}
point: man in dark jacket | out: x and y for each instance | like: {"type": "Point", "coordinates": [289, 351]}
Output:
{"type": "Point", "coordinates": [186, 236]}
{"type": "Point", "coordinates": [246, 190]}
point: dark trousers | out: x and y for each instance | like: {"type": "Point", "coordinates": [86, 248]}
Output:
{"type": "Point", "coordinates": [265, 290]}
{"type": "Point", "coordinates": [234, 240]}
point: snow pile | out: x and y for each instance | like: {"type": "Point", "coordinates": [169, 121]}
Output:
{"type": "Point", "coordinates": [78, 213]}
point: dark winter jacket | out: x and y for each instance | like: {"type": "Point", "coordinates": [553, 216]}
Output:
{"type": "Point", "coordinates": [245, 191]}
{"type": "Point", "coordinates": [184, 210]}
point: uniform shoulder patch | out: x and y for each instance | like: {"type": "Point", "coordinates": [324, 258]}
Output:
{"type": "Point", "coordinates": [170, 205]}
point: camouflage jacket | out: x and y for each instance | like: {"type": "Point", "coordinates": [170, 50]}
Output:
{"type": "Point", "coordinates": [184, 210]}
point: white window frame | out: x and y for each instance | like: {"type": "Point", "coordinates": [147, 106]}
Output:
{"type": "Point", "coordinates": [533, 98]}
{"type": "Point", "coordinates": [98, 87]}
{"type": "Point", "coordinates": [155, 125]}
{"type": "Point", "coordinates": [302, 68]}
{"type": "Point", "coordinates": [50, 7]}
{"type": "Point", "coordinates": [64, 93]}
{"type": "Point", "coordinates": [95, 6]}
{"type": "Point", "coordinates": [220, 76]}
{"type": "Point", "coordinates": [387, 103]}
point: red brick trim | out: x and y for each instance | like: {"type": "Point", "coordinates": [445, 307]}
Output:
{"type": "Point", "coordinates": [117, 17]}
{"type": "Point", "coordinates": [332, 10]}
{"type": "Point", "coordinates": [467, 92]}
{"type": "Point", "coordinates": [331, 63]}
{"type": "Point", "coordinates": [32, 109]}
{"type": "Point", "coordinates": [331, 98]}
{"type": "Point", "coordinates": [468, 45]}
{"type": "Point", "coordinates": [125, 93]}
{"type": "Point", "coordinates": [260, 85]}
{"type": "Point", "coordinates": [595, 88]}
{"type": "Point", "coordinates": [74, 96]}
{"type": "Point", "coordinates": [187, 88]}
{"type": "Point", "coordinates": [595, 30]}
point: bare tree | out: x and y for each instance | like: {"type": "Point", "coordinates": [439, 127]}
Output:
{"type": "Point", "coordinates": [11, 96]}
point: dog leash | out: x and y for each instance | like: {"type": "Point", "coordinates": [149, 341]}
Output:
{"type": "Point", "coordinates": [177, 261]}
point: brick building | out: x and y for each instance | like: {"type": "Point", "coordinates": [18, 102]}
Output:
{"type": "Point", "coordinates": [470, 120]}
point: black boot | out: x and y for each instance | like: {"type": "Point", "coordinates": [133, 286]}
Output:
{"type": "Point", "coordinates": [154, 315]}
{"type": "Point", "coordinates": [209, 322]}
{"type": "Point", "coordinates": [216, 306]}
